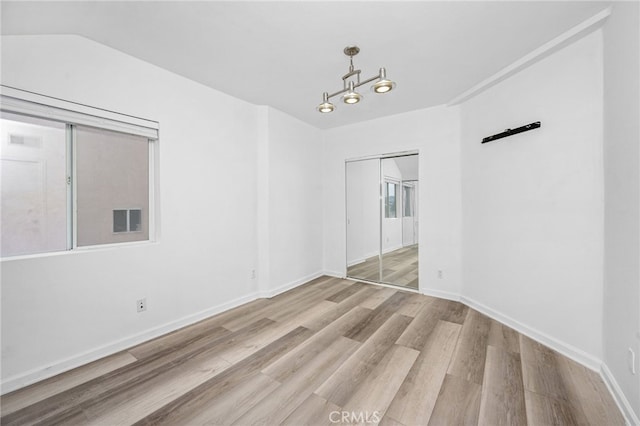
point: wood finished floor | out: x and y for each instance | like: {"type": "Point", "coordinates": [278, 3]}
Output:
{"type": "Point", "coordinates": [328, 346]}
{"type": "Point", "coordinates": [399, 267]}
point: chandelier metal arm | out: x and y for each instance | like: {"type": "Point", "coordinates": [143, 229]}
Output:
{"type": "Point", "coordinates": [346, 89]}
{"type": "Point", "coordinates": [351, 74]}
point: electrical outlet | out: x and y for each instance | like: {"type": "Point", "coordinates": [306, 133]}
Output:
{"type": "Point", "coordinates": [253, 274]}
{"type": "Point", "coordinates": [141, 305]}
{"type": "Point", "coordinates": [632, 361]}
{"type": "Point", "coordinates": [440, 274]}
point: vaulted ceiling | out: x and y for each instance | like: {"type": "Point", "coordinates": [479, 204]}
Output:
{"type": "Point", "coordinates": [285, 54]}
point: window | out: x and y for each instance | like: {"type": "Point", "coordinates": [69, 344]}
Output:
{"type": "Point", "coordinates": [129, 220]}
{"type": "Point", "coordinates": [34, 188]}
{"type": "Point", "coordinates": [408, 200]}
{"type": "Point", "coordinates": [390, 205]}
{"type": "Point", "coordinates": [112, 174]}
{"type": "Point", "coordinates": [67, 185]}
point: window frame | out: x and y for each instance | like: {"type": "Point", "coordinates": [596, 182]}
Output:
{"type": "Point", "coordinates": [411, 189]}
{"type": "Point", "coordinates": [28, 104]}
{"type": "Point", "coordinates": [389, 181]}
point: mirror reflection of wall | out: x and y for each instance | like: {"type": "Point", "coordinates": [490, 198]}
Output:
{"type": "Point", "coordinates": [382, 220]}
{"type": "Point", "coordinates": [363, 219]}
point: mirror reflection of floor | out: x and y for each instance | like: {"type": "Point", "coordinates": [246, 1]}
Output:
{"type": "Point", "coordinates": [399, 267]}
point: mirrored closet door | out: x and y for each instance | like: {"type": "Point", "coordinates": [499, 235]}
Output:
{"type": "Point", "coordinates": [382, 219]}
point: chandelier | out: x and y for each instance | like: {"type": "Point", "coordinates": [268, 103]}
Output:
{"type": "Point", "coordinates": [351, 81]}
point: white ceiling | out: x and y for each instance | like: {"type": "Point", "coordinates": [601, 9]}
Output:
{"type": "Point", "coordinates": [285, 54]}
{"type": "Point", "coordinates": [408, 166]}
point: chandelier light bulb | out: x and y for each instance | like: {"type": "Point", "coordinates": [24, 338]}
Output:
{"type": "Point", "coordinates": [352, 97]}
{"type": "Point", "coordinates": [326, 106]}
{"type": "Point", "coordinates": [384, 85]}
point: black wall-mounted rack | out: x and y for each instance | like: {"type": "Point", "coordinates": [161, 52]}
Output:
{"type": "Point", "coordinates": [510, 132]}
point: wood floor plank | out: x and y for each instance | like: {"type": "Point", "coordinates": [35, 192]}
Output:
{"type": "Point", "coordinates": [503, 337]}
{"type": "Point", "coordinates": [183, 408]}
{"type": "Point", "coordinates": [414, 401]}
{"type": "Point", "coordinates": [295, 312]}
{"type": "Point", "coordinates": [109, 388]}
{"type": "Point", "coordinates": [229, 406]}
{"type": "Point", "coordinates": [453, 311]}
{"type": "Point", "coordinates": [296, 388]}
{"type": "Point", "coordinates": [292, 299]}
{"type": "Point", "coordinates": [379, 297]}
{"type": "Point", "coordinates": [421, 327]}
{"type": "Point", "coordinates": [314, 411]}
{"type": "Point", "coordinates": [343, 294]}
{"type": "Point", "coordinates": [379, 388]}
{"type": "Point", "coordinates": [319, 309]}
{"type": "Point", "coordinates": [502, 401]}
{"type": "Point", "coordinates": [390, 421]}
{"type": "Point", "coordinates": [63, 403]}
{"type": "Point", "coordinates": [378, 316]}
{"type": "Point", "coordinates": [540, 370]}
{"type": "Point", "coordinates": [535, 353]}
{"type": "Point", "coordinates": [345, 381]}
{"type": "Point", "coordinates": [400, 267]}
{"type": "Point", "coordinates": [367, 270]}
{"type": "Point", "coordinates": [544, 410]}
{"type": "Point", "coordinates": [470, 354]}
{"type": "Point", "coordinates": [131, 404]}
{"type": "Point", "coordinates": [550, 394]}
{"type": "Point", "coordinates": [320, 321]}
{"type": "Point", "coordinates": [328, 347]}
{"type": "Point", "coordinates": [414, 305]}
{"type": "Point", "coordinates": [21, 398]}
{"type": "Point", "coordinates": [250, 339]}
{"type": "Point", "coordinates": [458, 403]}
{"type": "Point", "coordinates": [544, 380]}
{"type": "Point", "coordinates": [591, 393]}
{"type": "Point", "coordinates": [185, 335]}
{"type": "Point", "coordinates": [298, 358]}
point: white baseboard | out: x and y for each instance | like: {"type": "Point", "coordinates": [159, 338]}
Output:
{"type": "Point", "coordinates": [362, 259]}
{"type": "Point", "coordinates": [38, 374]}
{"type": "Point", "coordinates": [288, 286]}
{"type": "Point", "coordinates": [394, 248]}
{"type": "Point", "coordinates": [41, 373]}
{"type": "Point", "coordinates": [623, 403]}
{"type": "Point", "coordinates": [373, 254]}
{"type": "Point", "coordinates": [441, 294]}
{"type": "Point", "coordinates": [18, 381]}
{"type": "Point", "coordinates": [565, 349]}
{"type": "Point", "coordinates": [355, 262]}
{"type": "Point", "coordinates": [334, 274]}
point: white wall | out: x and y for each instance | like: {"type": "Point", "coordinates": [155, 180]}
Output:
{"type": "Point", "coordinates": [434, 132]}
{"type": "Point", "coordinates": [240, 196]}
{"type": "Point", "coordinates": [294, 202]}
{"type": "Point", "coordinates": [363, 210]}
{"type": "Point", "coordinates": [533, 202]}
{"type": "Point", "coordinates": [61, 309]}
{"type": "Point", "coordinates": [622, 187]}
